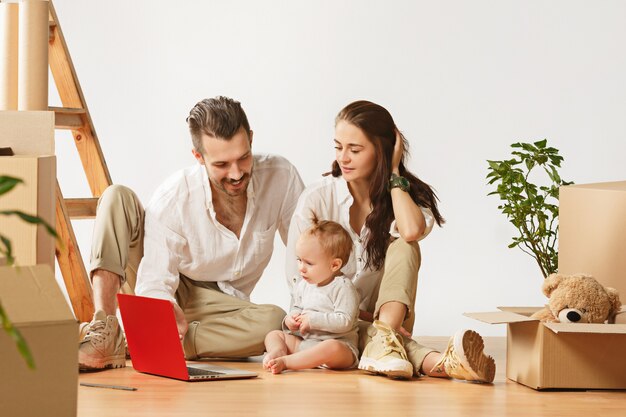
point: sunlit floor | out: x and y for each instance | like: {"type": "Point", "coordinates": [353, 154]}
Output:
{"type": "Point", "coordinates": [337, 393]}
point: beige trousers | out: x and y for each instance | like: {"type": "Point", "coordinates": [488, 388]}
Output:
{"type": "Point", "coordinates": [219, 325]}
{"type": "Point", "coordinates": [399, 283]}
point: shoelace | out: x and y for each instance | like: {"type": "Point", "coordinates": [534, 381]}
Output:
{"type": "Point", "coordinates": [95, 331]}
{"type": "Point", "coordinates": [449, 361]}
{"type": "Point", "coordinates": [392, 344]}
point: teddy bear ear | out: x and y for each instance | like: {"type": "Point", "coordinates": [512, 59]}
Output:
{"type": "Point", "coordinates": [550, 283]}
{"type": "Point", "coordinates": [616, 304]}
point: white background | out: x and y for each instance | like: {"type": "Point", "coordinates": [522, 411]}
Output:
{"type": "Point", "coordinates": [463, 80]}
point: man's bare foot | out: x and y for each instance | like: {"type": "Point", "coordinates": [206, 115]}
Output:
{"type": "Point", "coordinates": [277, 365]}
{"type": "Point", "coordinates": [271, 355]}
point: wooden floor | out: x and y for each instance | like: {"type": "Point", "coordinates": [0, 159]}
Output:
{"type": "Point", "coordinates": [333, 393]}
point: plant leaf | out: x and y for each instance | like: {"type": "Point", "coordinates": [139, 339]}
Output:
{"type": "Point", "coordinates": [15, 334]}
{"type": "Point", "coordinates": [529, 206]}
{"type": "Point", "coordinates": [494, 165]}
{"type": "Point", "coordinates": [31, 219]}
{"type": "Point", "coordinates": [7, 251]}
{"type": "Point", "coordinates": [8, 183]}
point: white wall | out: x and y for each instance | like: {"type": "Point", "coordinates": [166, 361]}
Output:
{"type": "Point", "coordinates": [462, 79]}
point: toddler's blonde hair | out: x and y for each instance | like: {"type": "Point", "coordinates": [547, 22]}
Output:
{"type": "Point", "coordinates": [334, 239]}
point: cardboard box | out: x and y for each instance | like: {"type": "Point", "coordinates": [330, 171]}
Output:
{"type": "Point", "coordinates": [561, 355]}
{"type": "Point", "coordinates": [31, 244]}
{"type": "Point", "coordinates": [620, 318]}
{"type": "Point", "coordinates": [592, 232]}
{"type": "Point", "coordinates": [27, 132]}
{"type": "Point", "coordinates": [34, 303]}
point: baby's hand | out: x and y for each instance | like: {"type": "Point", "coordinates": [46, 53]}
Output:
{"type": "Point", "coordinates": [291, 323]}
{"type": "Point", "coordinates": [305, 326]}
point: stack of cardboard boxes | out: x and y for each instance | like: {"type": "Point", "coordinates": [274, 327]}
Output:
{"type": "Point", "coordinates": [29, 293]}
{"type": "Point", "coordinates": [592, 240]}
{"type": "Point", "coordinates": [30, 135]}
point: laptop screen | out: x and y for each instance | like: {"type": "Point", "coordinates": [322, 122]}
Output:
{"type": "Point", "coordinates": [152, 336]}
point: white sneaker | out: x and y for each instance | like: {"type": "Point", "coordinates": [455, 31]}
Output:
{"type": "Point", "coordinates": [385, 354]}
{"type": "Point", "coordinates": [464, 358]}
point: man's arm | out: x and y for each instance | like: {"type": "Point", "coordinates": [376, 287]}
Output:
{"type": "Point", "coordinates": [158, 274]}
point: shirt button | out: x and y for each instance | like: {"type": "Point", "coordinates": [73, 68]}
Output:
{"type": "Point", "coordinates": [360, 259]}
{"type": "Point", "coordinates": [237, 273]}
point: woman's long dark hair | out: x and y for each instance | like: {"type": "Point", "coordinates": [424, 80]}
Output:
{"type": "Point", "coordinates": [378, 125]}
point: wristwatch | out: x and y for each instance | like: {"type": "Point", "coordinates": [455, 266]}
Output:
{"type": "Point", "coordinates": [397, 181]}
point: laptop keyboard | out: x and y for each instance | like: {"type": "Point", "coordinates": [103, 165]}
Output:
{"type": "Point", "coordinates": [198, 372]}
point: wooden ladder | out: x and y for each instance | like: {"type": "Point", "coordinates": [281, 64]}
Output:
{"type": "Point", "coordinates": [74, 116]}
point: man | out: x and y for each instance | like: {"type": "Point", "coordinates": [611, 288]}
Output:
{"type": "Point", "coordinates": [203, 241]}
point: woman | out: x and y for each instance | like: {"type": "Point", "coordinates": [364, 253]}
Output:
{"type": "Point", "coordinates": [386, 210]}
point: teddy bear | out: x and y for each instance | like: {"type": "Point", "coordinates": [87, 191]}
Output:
{"type": "Point", "coordinates": [578, 298]}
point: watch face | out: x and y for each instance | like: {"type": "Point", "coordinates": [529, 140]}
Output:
{"type": "Point", "coordinates": [404, 183]}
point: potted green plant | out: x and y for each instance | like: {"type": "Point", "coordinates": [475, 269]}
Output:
{"type": "Point", "coordinates": [7, 184]}
{"type": "Point", "coordinates": [532, 208]}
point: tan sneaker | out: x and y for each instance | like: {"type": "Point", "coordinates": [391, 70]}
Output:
{"type": "Point", "coordinates": [385, 354]}
{"type": "Point", "coordinates": [103, 345]}
{"type": "Point", "coordinates": [464, 358]}
{"type": "Point", "coordinates": [83, 329]}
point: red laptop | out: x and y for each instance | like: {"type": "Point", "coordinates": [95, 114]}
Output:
{"type": "Point", "coordinates": [155, 347]}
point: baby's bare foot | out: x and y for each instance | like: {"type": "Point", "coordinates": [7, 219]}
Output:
{"type": "Point", "coordinates": [269, 356]}
{"type": "Point", "coordinates": [277, 365]}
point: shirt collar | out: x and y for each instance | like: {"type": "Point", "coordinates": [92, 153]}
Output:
{"type": "Point", "coordinates": [342, 191]}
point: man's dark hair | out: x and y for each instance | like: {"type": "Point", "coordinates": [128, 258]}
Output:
{"type": "Point", "coordinates": [219, 117]}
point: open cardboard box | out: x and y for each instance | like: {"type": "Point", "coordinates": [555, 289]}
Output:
{"type": "Point", "coordinates": [34, 303]}
{"type": "Point", "coordinates": [560, 355]}
{"type": "Point", "coordinates": [592, 239]}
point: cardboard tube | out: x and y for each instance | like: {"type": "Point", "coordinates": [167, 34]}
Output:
{"type": "Point", "coordinates": [33, 56]}
{"type": "Point", "coordinates": [9, 14]}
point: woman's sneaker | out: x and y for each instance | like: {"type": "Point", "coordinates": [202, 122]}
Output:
{"type": "Point", "coordinates": [385, 354]}
{"type": "Point", "coordinates": [103, 345]}
{"type": "Point", "coordinates": [464, 358]}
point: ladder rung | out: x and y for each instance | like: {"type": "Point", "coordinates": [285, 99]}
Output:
{"type": "Point", "coordinates": [81, 208]}
{"type": "Point", "coordinates": [51, 27]}
{"type": "Point", "coordinates": [69, 119]}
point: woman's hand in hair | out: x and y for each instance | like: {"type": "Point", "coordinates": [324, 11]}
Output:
{"type": "Point", "coordinates": [409, 218]}
{"type": "Point", "coordinates": [398, 152]}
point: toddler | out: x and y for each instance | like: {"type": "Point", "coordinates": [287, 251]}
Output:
{"type": "Point", "coordinates": [320, 329]}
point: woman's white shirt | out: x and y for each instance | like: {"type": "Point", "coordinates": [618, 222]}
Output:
{"type": "Point", "coordinates": [330, 199]}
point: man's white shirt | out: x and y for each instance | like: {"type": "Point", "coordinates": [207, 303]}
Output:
{"type": "Point", "coordinates": [183, 236]}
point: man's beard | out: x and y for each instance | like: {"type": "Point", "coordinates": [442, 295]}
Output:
{"type": "Point", "coordinates": [221, 186]}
